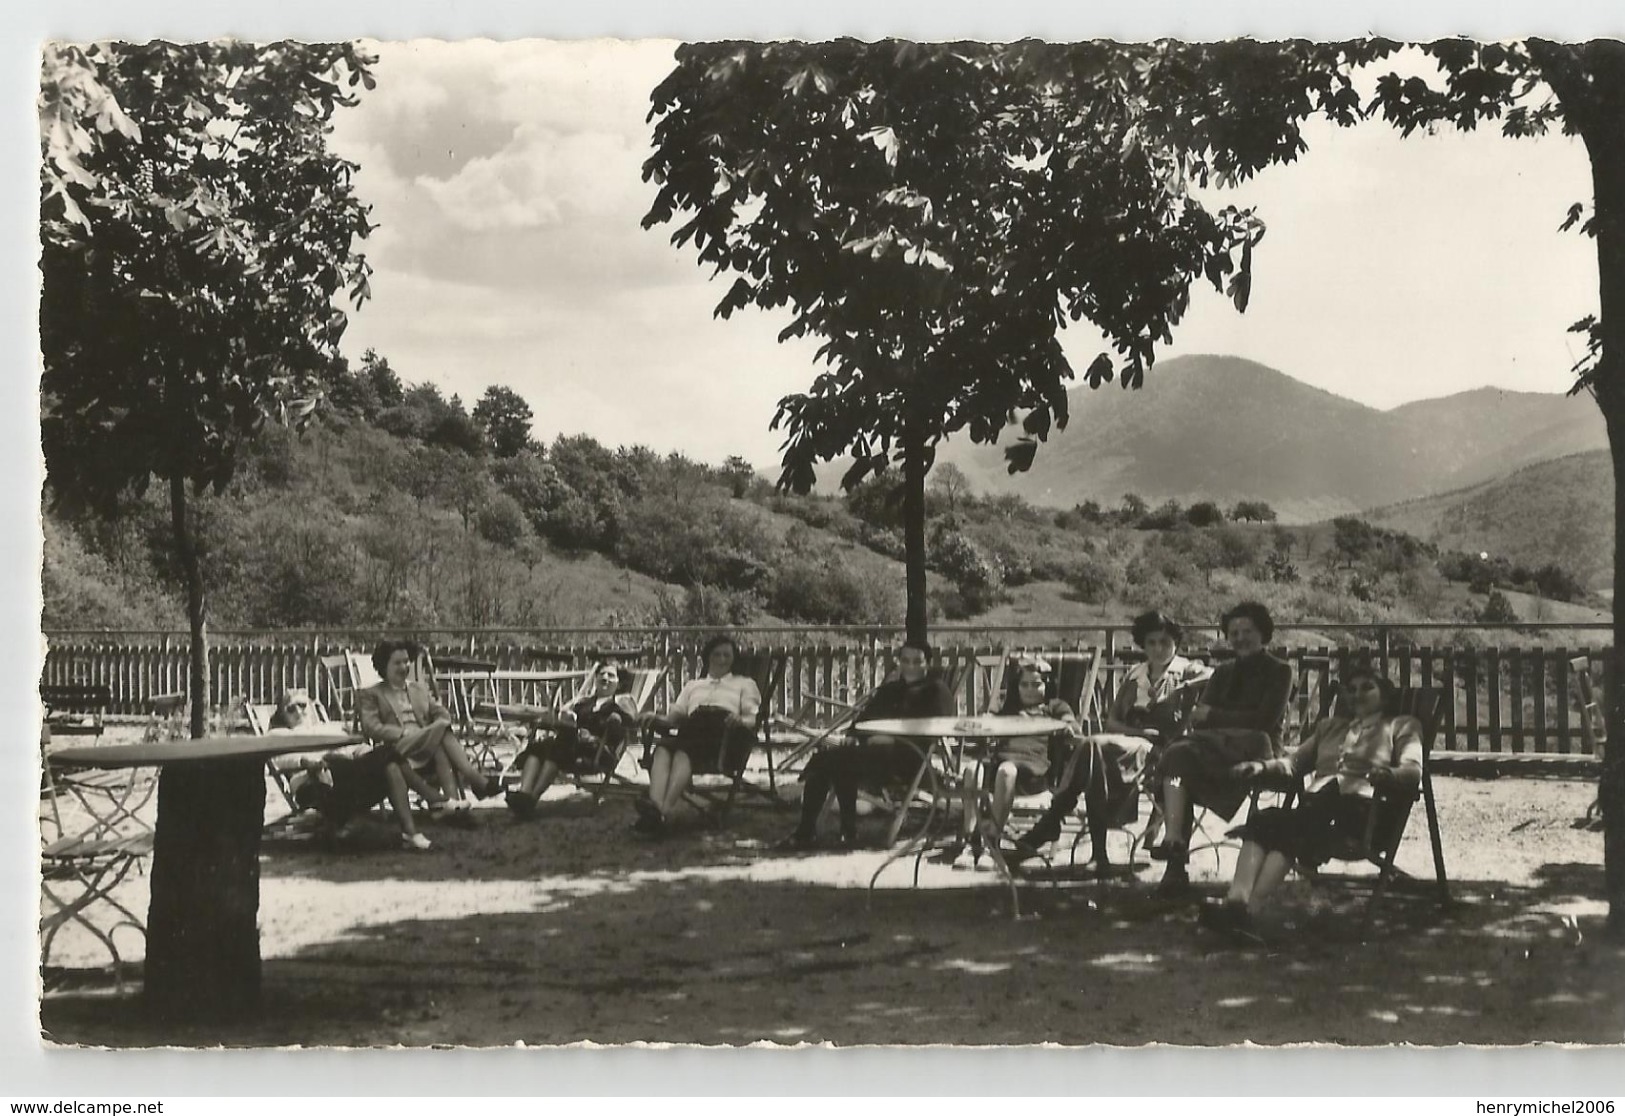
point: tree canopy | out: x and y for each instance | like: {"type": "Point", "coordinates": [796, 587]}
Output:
{"type": "Point", "coordinates": [196, 230]}
{"type": "Point", "coordinates": [504, 418]}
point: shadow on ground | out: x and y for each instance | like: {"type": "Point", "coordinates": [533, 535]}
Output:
{"type": "Point", "coordinates": [565, 928]}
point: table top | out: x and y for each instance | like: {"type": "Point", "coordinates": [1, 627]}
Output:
{"type": "Point", "coordinates": [458, 663]}
{"type": "Point", "coordinates": [160, 752]}
{"type": "Point", "coordinates": [511, 675]}
{"type": "Point", "coordinates": [964, 728]}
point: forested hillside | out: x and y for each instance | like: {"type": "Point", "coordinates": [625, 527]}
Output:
{"type": "Point", "coordinates": [395, 506]}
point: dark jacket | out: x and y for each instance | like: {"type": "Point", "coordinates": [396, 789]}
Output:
{"type": "Point", "coordinates": [929, 697]}
{"type": "Point", "coordinates": [1250, 693]}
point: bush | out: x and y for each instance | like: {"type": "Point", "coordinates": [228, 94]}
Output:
{"type": "Point", "coordinates": [696, 540]}
{"type": "Point", "coordinates": [1497, 610]}
{"type": "Point", "coordinates": [1094, 581]}
{"type": "Point", "coordinates": [1165, 518]}
{"type": "Point", "coordinates": [500, 520]}
{"type": "Point", "coordinates": [1204, 514]}
{"type": "Point", "coordinates": [1278, 567]}
{"type": "Point", "coordinates": [832, 590]}
{"type": "Point", "coordinates": [705, 606]}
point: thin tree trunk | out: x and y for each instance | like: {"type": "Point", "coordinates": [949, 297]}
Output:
{"type": "Point", "coordinates": [203, 949]}
{"type": "Point", "coordinates": [196, 606]}
{"type": "Point", "coordinates": [914, 469]}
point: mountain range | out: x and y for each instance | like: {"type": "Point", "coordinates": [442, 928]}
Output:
{"type": "Point", "coordinates": [1223, 428]}
{"type": "Point", "coordinates": [1556, 511]}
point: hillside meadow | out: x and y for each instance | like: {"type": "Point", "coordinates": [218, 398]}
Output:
{"type": "Point", "coordinates": [397, 507]}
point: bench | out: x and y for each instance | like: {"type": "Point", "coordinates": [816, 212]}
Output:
{"type": "Point", "coordinates": [75, 710]}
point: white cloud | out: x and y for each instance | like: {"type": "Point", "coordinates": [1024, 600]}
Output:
{"type": "Point", "coordinates": [542, 177]}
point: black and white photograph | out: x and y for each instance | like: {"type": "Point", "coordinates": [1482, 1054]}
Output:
{"type": "Point", "coordinates": [856, 542]}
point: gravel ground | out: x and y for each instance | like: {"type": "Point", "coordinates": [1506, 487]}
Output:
{"type": "Point", "coordinates": [566, 928]}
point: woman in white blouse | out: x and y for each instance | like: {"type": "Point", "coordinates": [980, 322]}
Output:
{"type": "Point", "coordinates": [710, 728]}
{"type": "Point", "coordinates": [1348, 757]}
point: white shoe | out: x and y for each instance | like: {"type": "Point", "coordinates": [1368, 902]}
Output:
{"type": "Point", "coordinates": [966, 860]}
{"type": "Point", "coordinates": [415, 841]}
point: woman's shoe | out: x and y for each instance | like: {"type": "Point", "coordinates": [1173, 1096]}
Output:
{"type": "Point", "coordinates": [1021, 851]}
{"type": "Point", "coordinates": [488, 789]}
{"type": "Point", "coordinates": [522, 804]}
{"type": "Point", "coordinates": [798, 842]}
{"type": "Point", "coordinates": [415, 841]}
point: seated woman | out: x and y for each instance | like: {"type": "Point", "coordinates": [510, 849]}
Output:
{"type": "Point", "coordinates": [1019, 764]}
{"type": "Point", "coordinates": [710, 728]}
{"type": "Point", "coordinates": [574, 739]}
{"type": "Point", "coordinates": [917, 691]}
{"type": "Point", "coordinates": [1105, 769]}
{"type": "Point", "coordinates": [1237, 721]}
{"type": "Point", "coordinates": [294, 713]}
{"type": "Point", "coordinates": [340, 788]}
{"type": "Point", "coordinates": [1348, 757]}
{"type": "Point", "coordinates": [406, 716]}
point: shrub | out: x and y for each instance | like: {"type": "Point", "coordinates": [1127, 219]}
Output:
{"type": "Point", "coordinates": [1497, 610]}
{"type": "Point", "coordinates": [1094, 581]}
{"type": "Point", "coordinates": [1164, 518]}
{"type": "Point", "coordinates": [500, 520]}
{"type": "Point", "coordinates": [832, 590]}
{"type": "Point", "coordinates": [1204, 514]}
{"type": "Point", "coordinates": [1278, 567]}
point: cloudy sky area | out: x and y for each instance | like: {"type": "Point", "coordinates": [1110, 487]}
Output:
{"type": "Point", "coordinates": [505, 181]}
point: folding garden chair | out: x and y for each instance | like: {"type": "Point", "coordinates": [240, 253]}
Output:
{"type": "Point", "coordinates": [1201, 837]}
{"type": "Point", "coordinates": [604, 776]}
{"type": "Point", "coordinates": [1593, 723]}
{"type": "Point", "coordinates": [714, 799]}
{"type": "Point", "coordinates": [93, 835]}
{"type": "Point", "coordinates": [1391, 811]}
{"type": "Point", "coordinates": [78, 710]}
{"type": "Point", "coordinates": [282, 769]}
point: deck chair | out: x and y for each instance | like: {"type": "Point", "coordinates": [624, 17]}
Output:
{"type": "Point", "coordinates": [493, 743]}
{"type": "Point", "coordinates": [1593, 723]}
{"type": "Point", "coordinates": [1204, 834]}
{"type": "Point", "coordinates": [79, 710]}
{"type": "Point", "coordinates": [1379, 844]}
{"type": "Point", "coordinates": [604, 776]}
{"type": "Point", "coordinates": [813, 725]}
{"type": "Point", "coordinates": [1122, 810]}
{"type": "Point", "coordinates": [924, 789]}
{"type": "Point", "coordinates": [282, 769]}
{"type": "Point", "coordinates": [347, 673]}
{"type": "Point", "coordinates": [1076, 682]}
{"type": "Point", "coordinates": [93, 834]}
{"type": "Point", "coordinates": [714, 799]}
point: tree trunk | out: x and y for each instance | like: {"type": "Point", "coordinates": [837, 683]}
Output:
{"type": "Point", "coordinates": [1611, 782]}
{"type": "Point", "coordinates": [203, 948]}
{"type": "Point", "coordinates": [1602, 126]}
{"type": "Point", "coordinates": [196, 606]}
{"type": "Point", "coordinates": [914, 469]}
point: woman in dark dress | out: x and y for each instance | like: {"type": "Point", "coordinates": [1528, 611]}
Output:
{"type": "Point", "coordinates": [585, 736]}
{"type": "Point", "coordinates": [1238, 720]}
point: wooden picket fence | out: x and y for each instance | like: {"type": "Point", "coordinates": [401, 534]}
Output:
{"type": "Point", "coordinates": [1506, 699]}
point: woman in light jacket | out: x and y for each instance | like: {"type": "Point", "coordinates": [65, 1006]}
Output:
{"type": "Point", "coordinates": [408, 717]}
{"type": "Point", "coordinates": [1348, 758]}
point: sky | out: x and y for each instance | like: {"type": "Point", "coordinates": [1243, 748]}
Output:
{"type": "Point", "coordinates": [505, 181]}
